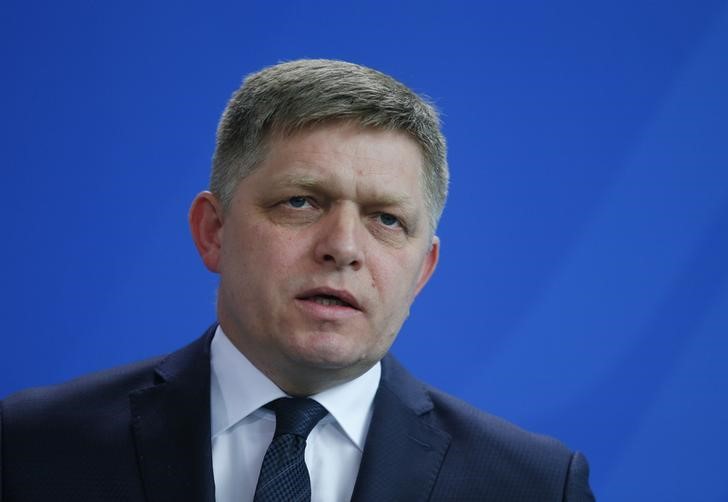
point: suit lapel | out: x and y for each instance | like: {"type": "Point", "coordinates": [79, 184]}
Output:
{"type": "Point", "coordinates": [171, 425]}
{"type": "Point", "coordinates": [403, 453]}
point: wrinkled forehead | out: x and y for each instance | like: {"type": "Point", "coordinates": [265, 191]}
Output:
{"type": "Point", "coordinates": [376, 168]}
{"type": "Point", "coordinates": [278, 136]}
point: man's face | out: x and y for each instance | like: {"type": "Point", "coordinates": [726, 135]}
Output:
{"type": "Point", "coordinates": [322, 251]}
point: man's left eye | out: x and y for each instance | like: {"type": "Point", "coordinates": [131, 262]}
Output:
{"type": "Point", "coordinates": [389, 220]}
{"type": "Point", "coordinates": [298, 201]}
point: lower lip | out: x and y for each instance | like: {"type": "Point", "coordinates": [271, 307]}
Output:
{"type": "Point", "coordinates": [326, 312]}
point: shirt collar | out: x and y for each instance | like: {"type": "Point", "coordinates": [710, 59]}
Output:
{"type": "Point", "coordinates": [238, 389]}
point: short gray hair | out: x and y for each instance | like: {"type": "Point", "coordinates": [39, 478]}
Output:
{"type": "Point", "coordinates": [291, 96]}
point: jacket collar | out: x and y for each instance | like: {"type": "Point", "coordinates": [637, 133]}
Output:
{"type": "Point", "coordinates": [403, 453]}
{"type": "Point", "coordinates": [171, 426]}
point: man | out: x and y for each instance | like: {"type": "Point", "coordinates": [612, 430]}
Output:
{"type": "Point", "coordinates": [327, 184]}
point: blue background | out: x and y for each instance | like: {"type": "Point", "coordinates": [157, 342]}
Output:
{"type": "Point", "coordinates": [583, 285]}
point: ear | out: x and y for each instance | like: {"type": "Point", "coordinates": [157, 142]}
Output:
{"type": "Point", "coordinates": [206, 219]}
{"type": "Point", "coordinates": [429, 264]}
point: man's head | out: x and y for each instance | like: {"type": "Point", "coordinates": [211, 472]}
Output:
{"type": "Point", "coordinates": [320, 221]}
{"type": "Point", "coordinates": [300, 94]}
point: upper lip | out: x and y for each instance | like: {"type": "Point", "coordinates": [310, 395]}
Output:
{"type": "Point", "coordinates": [341, 294]}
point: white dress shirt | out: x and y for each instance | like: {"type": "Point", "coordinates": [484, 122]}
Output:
{"type": "Point", "coordinates": [242, 429]}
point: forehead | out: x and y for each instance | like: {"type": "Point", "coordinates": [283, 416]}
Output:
{"type": "Point", "coordinates": [382, 162]}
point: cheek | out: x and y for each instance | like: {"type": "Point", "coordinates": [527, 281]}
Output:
{"type": "Point", "coordinates": [245, 261]}
{"type": "Point", "coordinates": [274, 253]}
{"type": "Point", "coordinates": [395, 277]}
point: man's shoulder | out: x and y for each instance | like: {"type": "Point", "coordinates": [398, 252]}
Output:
{"type": "Point", "coordinates": [81, 440]}
{"type": "Point", "coordinates": [61, 439]}
{"type": "Point", "coordinates": [485, 456]}
{"type": "Point", "coordinates": [92, 395]}
{"type": "Point", "coordinates": [471, 426]}
{"type": "Point", "coordinates": [497, 454]}
{"type": "Point", "coordinates": [477, 456]}
{"type": "Point", "coordinates": [105, 385]}
{"type": "Point", "coordinates": [464, 422]}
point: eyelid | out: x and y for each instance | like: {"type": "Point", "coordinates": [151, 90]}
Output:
{"type": "Point", "coordinates": [310, 200]}
{"type": "Point", "coordinates": [400, 221]}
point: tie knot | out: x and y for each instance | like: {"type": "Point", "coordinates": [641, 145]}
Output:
{"type": "Point", "coordinates": [296, 415]}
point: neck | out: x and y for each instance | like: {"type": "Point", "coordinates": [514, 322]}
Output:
{"type": "Point", "coordinates": [293, 377]}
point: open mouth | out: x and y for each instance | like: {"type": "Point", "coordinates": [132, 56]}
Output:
{"type": "Point", "coordinates": [331, 298]}
{"type": "Point", "coordinates": [328, 300]}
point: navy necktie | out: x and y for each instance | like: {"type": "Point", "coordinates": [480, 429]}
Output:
{"type": "Point", "coordinates": [283, 475]}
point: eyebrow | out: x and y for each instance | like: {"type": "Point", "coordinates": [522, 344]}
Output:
{"type": "Point", "coordinates": [299, 180]}
{"type": "Point", "coordinates": [317, 183]}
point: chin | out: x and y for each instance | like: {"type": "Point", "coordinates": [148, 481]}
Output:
{"type": "Point", "coordinates": [329, 353]}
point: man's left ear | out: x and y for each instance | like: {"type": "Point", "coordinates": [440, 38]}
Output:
{"type": "Point", "coordinates": [429, 264]}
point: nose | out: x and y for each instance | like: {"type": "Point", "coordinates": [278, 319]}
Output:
{"type": "Point", "coordinates": [339, 242]}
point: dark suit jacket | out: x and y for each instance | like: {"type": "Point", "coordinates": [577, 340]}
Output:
{"type": "Point", "coordinates": [142, 432]}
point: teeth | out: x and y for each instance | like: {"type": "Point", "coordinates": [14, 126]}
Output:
{"type": "Point", "coordinates": [328, 300]}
